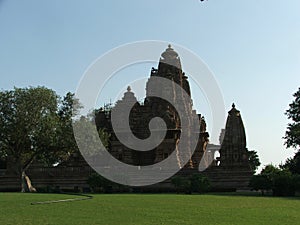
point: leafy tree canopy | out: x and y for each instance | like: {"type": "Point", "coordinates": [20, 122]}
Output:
{"type": "Point", "coordinates": [34, 124]}
{"type": "Point", "coordinates": [292, 135]}
{"type": "Point", "coordinates": [253, 160]}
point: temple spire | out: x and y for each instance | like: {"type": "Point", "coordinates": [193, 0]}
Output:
{"type": "Point", "coordinates": [233, 149]}
{"type": "Point", "coordinates": [169, 54]}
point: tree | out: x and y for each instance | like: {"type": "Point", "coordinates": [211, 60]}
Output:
{"type": "Point", "coordinates": [292, 135]}
{"type": "Point", "coordinates": [87, 136]}
{"type": "Point", "coordinates": [293, 164]}
{"type": "Point", "coordinates": [283, 184]}
{"type": "Point", "coordinates": [64, 140]}
{"type": "Point", "coordinates": [261, 182]}
{"type": "Point", "coordinates": [269, 171]}
{"type": "Point", "coordinates": [253, 160]}
{"type": "Point", "coordinates": [264, 181]}
{"type": "Point", "coordinates": [32, 127]}
{"type": "Point", "coordinates": [281, 181]}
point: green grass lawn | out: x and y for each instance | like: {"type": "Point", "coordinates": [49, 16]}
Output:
{"type": "Point", "coordinates": [15, 208]}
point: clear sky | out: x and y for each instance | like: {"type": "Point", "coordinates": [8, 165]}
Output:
{"type": "Point", "coordinates": [252, 47]}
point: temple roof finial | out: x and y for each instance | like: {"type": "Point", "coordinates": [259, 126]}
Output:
{"type": "Point", "coordinates": [233, 105]}
{"type": "Point", "coordinates": [129, 89]}
{"type": "Point", "coordinates": [169, 53]}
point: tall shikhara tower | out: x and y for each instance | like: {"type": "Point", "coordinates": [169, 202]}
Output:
{"type": "Point", "coordinates": [233, 152]}
{"type": "Point", "coordinates": [169, 67]}
{"type": "Point", "coordinates": [233, 171]}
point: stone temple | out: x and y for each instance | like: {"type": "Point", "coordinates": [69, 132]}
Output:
{"type": "Point", "coordinates": [230, 171]}
{"type": "Point", "coordinates": [169, 67]}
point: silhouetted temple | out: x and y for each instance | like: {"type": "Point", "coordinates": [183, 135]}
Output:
{"type": "Point", "coordinates": [233, 152]}
{"type": "Point", "coordinates": [169, 67]}
{"type": "Point", "coordinates": [232, 168]}
{"type": "Point", "coordinates": [230, 171]}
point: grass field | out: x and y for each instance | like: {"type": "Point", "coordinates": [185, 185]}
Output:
{"type": "Point", "coordinates": [15, 208]}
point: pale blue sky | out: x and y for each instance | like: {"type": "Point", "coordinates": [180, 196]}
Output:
{"type": "Point", "coordinates": [253, 48]}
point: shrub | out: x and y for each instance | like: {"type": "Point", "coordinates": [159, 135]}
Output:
{"type": "Point", "coordinates": [199, 183]}
{"type": "Point", "coordinates": [98, 183]}
{"type": "Point", "coordinates": [281, 181]}
{"type": "Point", "coordinates": [283, 184]}
{"type": "Point", "coordinates": [261, 182]}
{"type": "Point", "coordinates": [181, 184]}
{"type": "Point", "coordinates": [195, 183]}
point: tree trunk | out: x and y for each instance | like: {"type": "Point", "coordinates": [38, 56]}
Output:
{"type": "Point", "coordinates": [16, 168]}
{"type": "Point", "coordinates": [26, 183]}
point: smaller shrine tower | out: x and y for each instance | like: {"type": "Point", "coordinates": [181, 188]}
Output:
{"type": "Point", "coordinates": [233, 150]}
{"type": "Point", "coordinates": [232, 171]}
